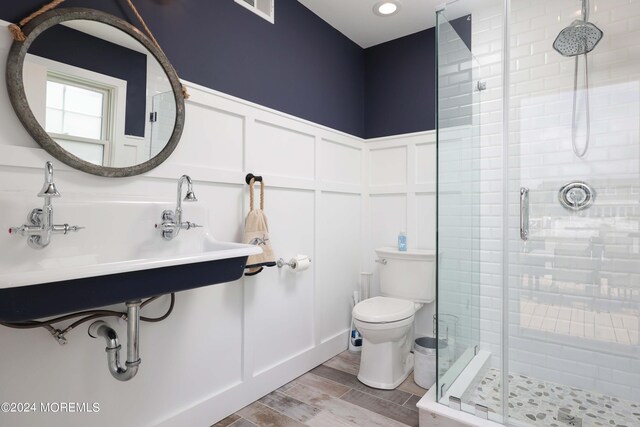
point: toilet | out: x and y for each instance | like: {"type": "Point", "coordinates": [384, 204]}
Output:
{"type": "Point", "coordinates": [407, 282]}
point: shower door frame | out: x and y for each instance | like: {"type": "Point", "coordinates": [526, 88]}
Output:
{"type": "Point", "coordinates": [465, 357]}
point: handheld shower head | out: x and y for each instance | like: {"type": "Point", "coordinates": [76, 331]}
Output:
{"type": "Point", "coordinates": [578, 39]}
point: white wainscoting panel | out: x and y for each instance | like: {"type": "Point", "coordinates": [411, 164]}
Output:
{"type": "Point", "coordinates": [426, 163]}
{"type": "Point", "coordinates": [388, 166]}
{"type": "Point", "coordinates": [426, 219]}
{"type": "Point", "coordinates": [213, 138]}
{"type": "Point", "coordinates": [338, 263]}
{"type": "Point", "coordinates": [340, 163]}
{"type": "Point", "coordinates": [388, 218]}
{"type": "Point", "coordinates": [279, 151]}
{"type": "Point", "coordinates": [281, 302]}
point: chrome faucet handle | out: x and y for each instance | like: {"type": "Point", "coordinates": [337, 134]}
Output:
{"type": "Point", "coordinates": [165, 225]}
{"type": "Point", "coordinates": [168, 227]}
{"type": "Point", "coordinates": [168, 216]}
{"type": "Point", "coordinates": [49, 188]}
{"type": "Point", "coordinates": [66, 229]}
{"type": "Point", "coordinates": [35, 217]}
{"type": "Point", "coordinates": [24, 230]}
{"type": "Point", "coordinates": [187, 225]}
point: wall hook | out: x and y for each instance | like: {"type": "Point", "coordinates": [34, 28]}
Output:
{"type": "Point", "coordinates": [251, 176]}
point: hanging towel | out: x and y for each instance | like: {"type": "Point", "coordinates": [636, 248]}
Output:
{"type": "Point", "coordinates": [256, 232]}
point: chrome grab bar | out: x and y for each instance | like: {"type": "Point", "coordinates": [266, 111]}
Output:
{"type": "Point", "coordinates": [524, 213]}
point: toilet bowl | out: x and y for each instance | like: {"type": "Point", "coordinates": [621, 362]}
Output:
{"type": "Point", "coordinates": [407, 281]}
{"type": "Point", "coordinates": [386, 326]}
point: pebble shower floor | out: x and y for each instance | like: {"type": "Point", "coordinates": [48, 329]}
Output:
{"type": "Point", "coordinates": [537, 402]}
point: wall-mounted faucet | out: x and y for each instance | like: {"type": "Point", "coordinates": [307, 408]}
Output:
{"type": "Point", "coordinates": [172, 221]}
{"type": "Point", "coordinates": [41, 226]}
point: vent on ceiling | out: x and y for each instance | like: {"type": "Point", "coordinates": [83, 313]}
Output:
{"type": "Point", "coordinates": [262, 8]}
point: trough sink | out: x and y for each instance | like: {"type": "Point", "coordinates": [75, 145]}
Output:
{"type": "Point", "coordinates": [120, 256]}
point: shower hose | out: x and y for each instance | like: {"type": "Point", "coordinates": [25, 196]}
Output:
{"type": "Point", "coordinates": [574, 136]}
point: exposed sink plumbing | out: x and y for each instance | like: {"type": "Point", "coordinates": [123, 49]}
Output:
{"type": "Point", "coordinates": [172, 221]}
{"type": "Point", "coordinates": [41, 226]}
{"type": "Point", "coordinates": [101, 329]}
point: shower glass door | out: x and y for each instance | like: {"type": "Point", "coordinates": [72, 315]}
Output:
{"type": "Point", "coordinates": [574, 279]}
{"type": "Point", "coordinates": [163, 121]}
{"type": "Point", "coordinates": [458, 201]}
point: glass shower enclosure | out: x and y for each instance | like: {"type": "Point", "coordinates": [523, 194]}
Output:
{"type": "Point", "coordinates": [538, 308]}
{"type": "Point", "coordinates": [458, 201]}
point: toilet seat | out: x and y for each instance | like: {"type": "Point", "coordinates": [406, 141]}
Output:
{"type": "Point", "coordinates": [383, 310]}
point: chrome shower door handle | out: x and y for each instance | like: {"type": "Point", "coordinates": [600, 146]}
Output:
{"type": "Point", "coordinates": [524, 213]}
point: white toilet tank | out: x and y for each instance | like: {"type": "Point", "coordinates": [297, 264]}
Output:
{"type": "Point", "coordinates": [409, 275]}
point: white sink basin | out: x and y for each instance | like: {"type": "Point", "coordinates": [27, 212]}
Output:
{"type": "Point", "coordinates": [119, 244]}
{"type": "Point", "coordinates": [56, 269]}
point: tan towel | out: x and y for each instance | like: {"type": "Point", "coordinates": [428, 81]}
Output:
{"type": "Point", "coordinates": [256, 232]}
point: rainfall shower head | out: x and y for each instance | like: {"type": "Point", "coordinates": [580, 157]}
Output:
{"type": "Point", "coordinates": [578, 38]}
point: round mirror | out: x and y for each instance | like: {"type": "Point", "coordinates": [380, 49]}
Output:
{"type": "Point", "coordinates": [95, 93]}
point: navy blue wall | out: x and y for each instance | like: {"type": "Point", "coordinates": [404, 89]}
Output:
{"type": "Point", "coordinates": [400, 86]}
{"type": "Point", "coordinates": [464, 29]}
{"type": "Point", "coordinates": [66, 45]}
{"type": "Point", "coordinates": [400, 82]}
{"type": "Point", "coordinates": [300, 65]}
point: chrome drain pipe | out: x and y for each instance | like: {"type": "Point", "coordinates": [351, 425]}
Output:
{"type": "Point", "coordinates": [101, 329]}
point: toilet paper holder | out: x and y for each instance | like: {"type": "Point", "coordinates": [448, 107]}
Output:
{"type": "Point", "coordinates": [293, 262]}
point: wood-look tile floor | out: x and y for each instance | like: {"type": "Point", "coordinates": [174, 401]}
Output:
{"type": "Point", "coordinates": [331, 395]}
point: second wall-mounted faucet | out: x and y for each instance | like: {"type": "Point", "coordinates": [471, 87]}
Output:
{"type": "Point", "coordinates": [172, 221]}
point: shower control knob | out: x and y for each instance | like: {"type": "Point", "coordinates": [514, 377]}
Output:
{"type": "Point", "coordinates": [576, 196]}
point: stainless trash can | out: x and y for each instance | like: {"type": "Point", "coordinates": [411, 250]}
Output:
{"type": "Point", "coordinates": [424, 370]}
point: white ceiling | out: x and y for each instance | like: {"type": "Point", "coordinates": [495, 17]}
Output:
{"type": "Point", "coordinates": [356, 20]}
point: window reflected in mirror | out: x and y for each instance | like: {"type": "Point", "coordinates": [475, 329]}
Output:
{"type": "Point", "coordinates": [78, 117]}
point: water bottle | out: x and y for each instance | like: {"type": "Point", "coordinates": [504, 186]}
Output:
{"type": "Point", "coordinates": [402, 241]}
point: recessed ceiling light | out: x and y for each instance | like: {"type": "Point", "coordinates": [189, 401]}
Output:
{"type": "Point", "coordinates": [386, 8]}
